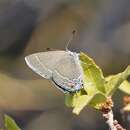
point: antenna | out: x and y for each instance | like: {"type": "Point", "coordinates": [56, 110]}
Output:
{"type": "Point", "coordinates": [70, 40]}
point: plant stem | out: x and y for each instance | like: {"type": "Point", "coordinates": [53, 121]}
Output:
{"type": "Point", "coordinates": [106, 109]}
{"type": "Point", "coordinates": [110, 120]}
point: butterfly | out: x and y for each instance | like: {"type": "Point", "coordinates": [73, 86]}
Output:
{"type": "Point", "coordinates": [61, 67]}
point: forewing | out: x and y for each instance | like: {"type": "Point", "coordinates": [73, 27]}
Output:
{"type": "Point", "coordinates": [43, 63]}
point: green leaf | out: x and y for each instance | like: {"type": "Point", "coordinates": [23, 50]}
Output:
{"type": "Point", "coordinates": [96, 87]}
{"type": "Point", "coordinates": [125, 87]}
{"type": "Point", "coordinates": [81, 102]}
{"type": "Point", "coordinates": [127, 108]}
{"type": "Point", "coordinates": [97, 100]}
{"type": "Point", "coordinates": [113, 82]}
{"type": "Point", "coordinates": [10, 123]}
{"type": "Point", "coordinates": [85, 100]}
{"type": "Point", "coordinates": [93, 76]}
{"type": "Point", "coordinates": [70, 99]}
{"type": "Point", "coordinates": [77, 101]}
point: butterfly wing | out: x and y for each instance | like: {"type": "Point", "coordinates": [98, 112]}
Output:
{"type": "Point", "coordinates": [62, 67]}
{"type": "Point", "coordinates": [43, 62]}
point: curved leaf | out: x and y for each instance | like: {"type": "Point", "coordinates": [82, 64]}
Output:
{"type": "Point", "coordinates": [97, 100]}
{"type": "Point", "coordinates": [10, 124]}
{"type": "Point", "coordinates": [70, 99]}
{"type": "Point", "coordinates": [113, 82]}
{"type": "Point", "coordinates": [125, 87]}
{"type": "Point", "coordinates": [93, 76]}
{"type": "Point", "coordinates": [81, 102]}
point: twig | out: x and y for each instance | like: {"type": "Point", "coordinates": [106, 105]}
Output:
{"type": "Point", "coordinates": [106, 109]}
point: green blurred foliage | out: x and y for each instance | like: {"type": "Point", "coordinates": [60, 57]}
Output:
{"type": "Point", "coordinates": [9, 124]}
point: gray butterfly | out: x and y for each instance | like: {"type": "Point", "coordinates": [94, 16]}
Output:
{"type": "Point", "coordinates": [61, 67]}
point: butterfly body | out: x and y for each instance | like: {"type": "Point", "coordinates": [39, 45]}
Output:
{"type": "Point", "coordinates": [61, 67]}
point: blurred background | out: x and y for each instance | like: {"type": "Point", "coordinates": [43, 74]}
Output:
{"type": "Point", "coordinates": [28, 26]}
